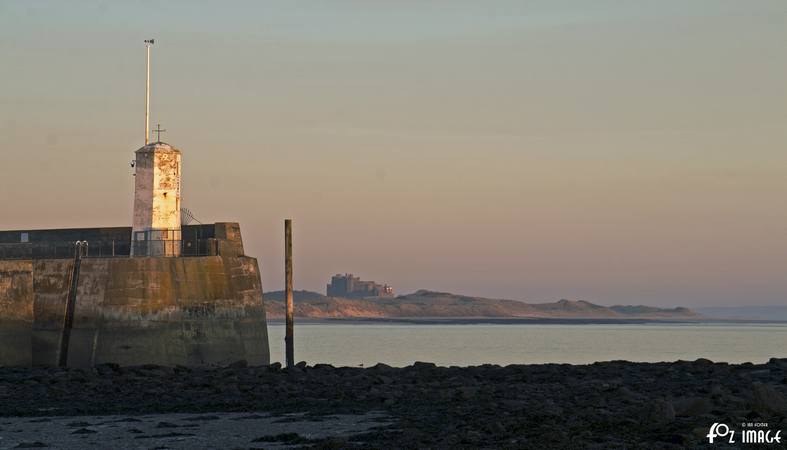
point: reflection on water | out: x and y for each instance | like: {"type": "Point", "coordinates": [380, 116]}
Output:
{"type": "Point", "coordinates": [345, 344]}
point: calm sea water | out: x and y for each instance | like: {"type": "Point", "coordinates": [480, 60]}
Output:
{"type": "Point", "coordinates": [353, 344]}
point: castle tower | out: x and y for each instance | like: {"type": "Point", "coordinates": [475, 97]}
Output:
{"type": "Point", "coordinates": [156, 223]}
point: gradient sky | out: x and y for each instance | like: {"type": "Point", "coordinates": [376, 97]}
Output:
{"type": "Point", "coordinates": [612, 151]}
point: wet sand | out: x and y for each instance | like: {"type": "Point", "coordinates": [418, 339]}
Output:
{"type": "Point", "coordinates": [183, 431]}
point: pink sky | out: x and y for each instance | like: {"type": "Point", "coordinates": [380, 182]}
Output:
{"type": "Point", "coordinates": [617, 154]}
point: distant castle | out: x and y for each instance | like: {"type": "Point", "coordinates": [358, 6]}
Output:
{"type": "Point", "coordinates": [349, 286]}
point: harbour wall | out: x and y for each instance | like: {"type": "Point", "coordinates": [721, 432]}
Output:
{"type": "Point", "coordinates": [16, 312]}
{"type": "Point", "coordinates": [161, 310]}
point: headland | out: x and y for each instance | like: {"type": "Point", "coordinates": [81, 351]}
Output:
{"type": "Point", "coordinates": [426, 304]}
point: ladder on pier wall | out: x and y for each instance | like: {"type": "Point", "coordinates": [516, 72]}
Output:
{"type": "Point", "coordinates": [80, 250]}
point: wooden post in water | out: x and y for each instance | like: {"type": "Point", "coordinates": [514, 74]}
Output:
{"type": "Point", "coordinates": [288, 339]}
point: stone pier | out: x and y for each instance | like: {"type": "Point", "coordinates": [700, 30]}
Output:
{"type": "Point", "coordinates": [194, 310]}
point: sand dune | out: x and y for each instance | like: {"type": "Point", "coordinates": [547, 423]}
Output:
{"type": "Point", "coordinates": [424, 303]}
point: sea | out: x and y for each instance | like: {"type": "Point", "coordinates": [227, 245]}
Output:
{"type": "Point", "coordinates": [365, 343]}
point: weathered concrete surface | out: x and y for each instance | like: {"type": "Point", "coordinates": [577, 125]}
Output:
{"type": "Point", "coordinates": [230, 242]}
{"type": "Point", "coordinates": [157, 187]}
{"type": "Point", "coordinates": [50, 292]}
{"type": "Point", "coordinates": [189, 311]}
{"type": "Point", "coordinates": [16, 312]}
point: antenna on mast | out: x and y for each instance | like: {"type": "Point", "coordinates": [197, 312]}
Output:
{"type": "Point", "coordinates": [148, 43]}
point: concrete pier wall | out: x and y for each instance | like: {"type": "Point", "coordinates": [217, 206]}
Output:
{"type": "Point", "coordinates": [16, 312]}
{"type": "Point", "coordinates": [189, 311]}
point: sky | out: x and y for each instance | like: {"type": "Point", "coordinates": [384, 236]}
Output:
{"type": "Point", "coordinates": [626, 152]}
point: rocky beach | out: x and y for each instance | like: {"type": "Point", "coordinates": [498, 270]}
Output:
{"type": "Point", "coordinates": [613, 404]}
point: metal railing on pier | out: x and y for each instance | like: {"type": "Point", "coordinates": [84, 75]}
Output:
{"type": "Point", "coordinates": [110, 249]}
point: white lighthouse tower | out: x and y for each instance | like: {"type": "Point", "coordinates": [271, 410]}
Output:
{"type": "Point", "coordinates": [156, 225]}
{"type": "Point", "coordinates": [156, 222]}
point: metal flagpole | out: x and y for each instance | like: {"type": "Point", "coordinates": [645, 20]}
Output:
{"type": "Point", "coordinates": [148, 43]}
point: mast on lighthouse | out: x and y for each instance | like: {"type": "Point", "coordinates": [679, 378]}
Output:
{"type": "Point", "coordinates": [148, 43]}
{"type": "Point", "coordinates": [156, 222]}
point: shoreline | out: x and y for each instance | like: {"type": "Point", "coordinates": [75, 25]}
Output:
{"type": "Point", "coordinates": [601, 405]}
{"type": "Point", "coordinates": [520, 321]}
